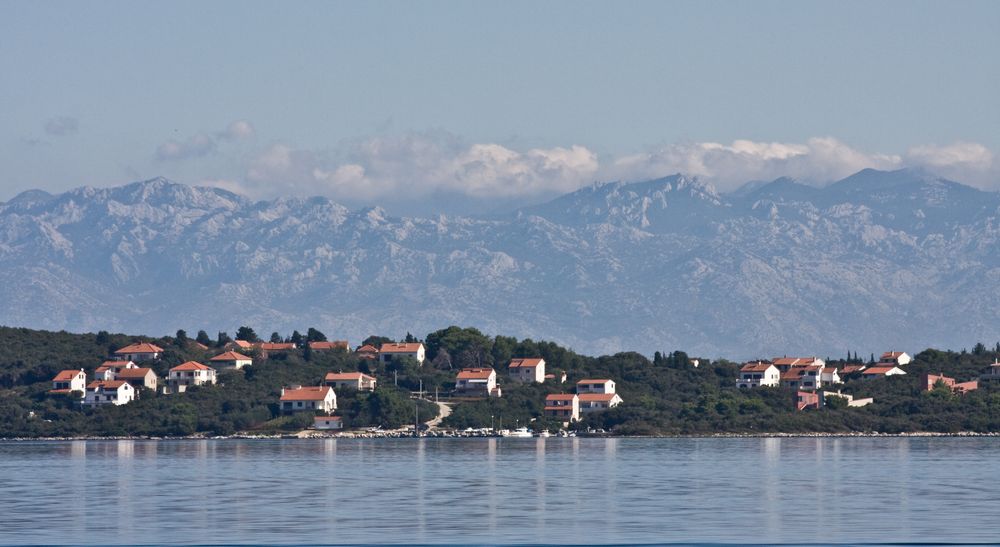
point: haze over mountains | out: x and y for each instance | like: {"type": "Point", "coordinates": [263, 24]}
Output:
{"type": "Point", "coordinates": [876, 261]}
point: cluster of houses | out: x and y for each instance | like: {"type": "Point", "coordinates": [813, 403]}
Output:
{"type": "Point", "coordinates": [591, 395]}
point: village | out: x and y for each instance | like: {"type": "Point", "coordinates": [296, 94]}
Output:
{"type": "Point", "coordinates": [128, 374]}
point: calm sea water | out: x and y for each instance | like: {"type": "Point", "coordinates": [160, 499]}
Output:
{"type": "Point", "coordinates": [556, 491]}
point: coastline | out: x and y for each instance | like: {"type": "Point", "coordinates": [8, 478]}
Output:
{"type": "Point", "coordinates": [400, 435]}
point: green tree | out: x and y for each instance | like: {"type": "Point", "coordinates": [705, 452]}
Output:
{"type": "Point", "coordinates": [275, 338]}
{"type": "Point", "coordinates": [246, 333]}
{"type": "Point", "coordinates": [222, 339]}
{"type": "Point", "coordinates": [181, 338]}
{"type": "Point", "coordinates": [313, 335]}
{"type": "Point", "coordinates": [203, 338]}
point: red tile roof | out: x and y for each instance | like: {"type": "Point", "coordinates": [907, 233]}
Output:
{"type": "Point", "coordinates": [66, 375]}
{"type": "Point", "coordinates": [328, 419]}
{"type": "Point", "coordinates": [475, 373]}
{"type": "Point", "coordinates": [876, 371]}
{"type": "Point", "coordinates": [346, 376]}
{"type": "Point", "coordinates": [755, 367]}
{"type": "Point", "coordinates": [593, 381]}
{"type": "Point", "coordinates": [106, 384]}
{"type": "Point", "coordinates": [852, 368]}
{"type": "Point", "coordinates": [602, 397]}
{"type": "Point", "coordinates": [892, 354]}
{"type": "Point", "coordinates": [336, 344]}
{"type": "Point", "coordinates": [792, 361]}
{"type": "Point", "coordinates": [401, 347]}
{"type": "Point", "coordinates": [241, 344]}
{"type": "Point", "coordinates": [276, 346]}
{"type": "Point", "coordinates": [143, 347]}
{"type": "Point", "coordinates": [306, 393]}
{"type": "Point", "coordinates": [560, 397]}
{"type": "Point", "coordinates": [134, 373]}
{"type": "Point", "coordinates": [190, 365]}
{"type": "Point", "coordinates": [116, 364]}
{"type": "Point", "coordinates": [231, 356]}
{"type": "Point", "coordinates": [527, 362]}
{"type": "Point", "coordinates": [367, 348]}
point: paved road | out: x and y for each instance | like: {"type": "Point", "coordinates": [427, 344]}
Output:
{"type": "Point", "coordinates": [443, 411]}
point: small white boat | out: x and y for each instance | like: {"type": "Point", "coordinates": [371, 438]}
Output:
{"type": "Point", "coordinates": [544, 433]}
{"type": "Point", "coordinates": [519, 433]}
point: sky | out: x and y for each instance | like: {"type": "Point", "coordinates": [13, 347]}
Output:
{"type": "Point", "coordinates": [451, 106]}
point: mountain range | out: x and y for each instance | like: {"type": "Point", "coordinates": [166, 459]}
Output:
{"type": "Point", "coordinates": [877, 261]}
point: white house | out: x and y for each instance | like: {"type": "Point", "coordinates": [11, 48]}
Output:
{"type": "Point", "coordinates": [328, 422]}
{"type": "Point", "coordinates": [68, 381]}
{"type": "Point", "coordinates": [831, 375]}
{"type": "Point", "coordinates": [992, 372]}
{"type": "Point", "coordinates": [109, 392]}
{"type": "Point", "coordinates": [895, 358]}
{"type": "Point", "coordinates": [231, 359]}
{"type": "Point", "coordinates": [851, 401]}
{"type": "Point", "coordinates": [109, 369]}
{"type": "Point", "coordinates": [139, 352]}
{"type": "Point", "coordinates": [786, 363]}
{"type": "Point", "coordinates": [477, 381]}
{"type": "Point", "coordinates": [138, 377]}
{"type": "Point", "coordinates": [528, 369]}
{"type": "Point", "coordinates": [391, 351]}
{"type": "Point", "coordinates": [590, 385]}
{"type": "Point", "coordinates": [591, 402]}
{"type": "Point", "coordinates": [315, 398]}
{"type": "Point", "coordinates": [191, 373]}
{"type": "Point", "coordinates": [759, 374]}
{"type": "Point", "coordinates": [563, 406]}
{"type": "Point", "coordinates": [351, 380]}
{"type": "Point", "coordinates": [881, 371]}
{"type": "Point", "coordinates": [803, 377]}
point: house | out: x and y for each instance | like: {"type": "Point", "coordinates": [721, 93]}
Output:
{"type": "Point", "coordinates": [315, 398]}
{"type": "Point", "coordinates": [590, 402]}
{"type": "Point", "coordinates": [231, 359]}
{"type": "Point", "coordinates": [109, 369]}
{"type": "Point", "coordinates": [326, 346]}
{"type": "Point", "coordinates": [851, 401]}
{"type": "Point", "coordinates": [390, 351]}
{"type": "Point", "coordinates": [759, 374]}
{"type": "Point", "coordinates": [68, 381]}
{"type": "Point", "coordinates": [803, 377]}
{"type": "Point", "coordinates": [109, 392]}
{"type": "Point", "coordinates": [831, 375]}
{"type": "Point", "coordinates": [879, 371]}
{"type": "Point", "coordinates": [139, 352]}
{"type": "Point", "coordinates": [590, 385]}
{"type": "Point", "coordinates": [328, 422]}
{"type": "Point", "coordinates": [563, 406]}
{"type": "Point", "coordinates": [806, 399]}
{"type": "Point", "coordinates": [275, 346]}
{"type": "Point", "coordinates": [895, 358]}
{"type": "Point", "coordinates": [528, 369]}
{"type": "Point", "coordinates": [784, 364]}
{"type": "Point", "coordinates": [929, 382]}
{"type": "Point", "coordinates": [851, 369]}
{"type": "Point", "coordinates": [191, 373]}
{"type": "Point", "coordinates": [367, 351]}
{"type": "Point", "coordinates": [138, 377]}
{"type": "Point", "coordinates": [352, 380]}
{"type": "Point", "coordinates": [477, 381]}
{"type": "Point", "coordinates": [238, 345]}
{"type": "Point", "coordinates": [992, 372]}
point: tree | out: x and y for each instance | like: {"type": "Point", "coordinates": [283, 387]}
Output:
{"type": "Point", "coordinates": [223, 339]}
{"type": "Point", "coordinates": [376, 341]}
{"type": "Point", "coordinates": [103, 338]}
{"type": "Point", "coordinates": [313, 335]}
{"type": "Point", "coordinates": [246, 333]}
{"type": "Point", "coordinates": [203, 338]}
{"type": "Point", "coordinates": [181, 338]}
{"type": "Point", "coordinates": [296, 338]}
{"type": "Point", "coordinates": [410, 339]}
{"type": "Point", "coordinates": [442, 361]}
{"type": "Point", "coordinates": [275, 338]}
{"type": "Point", "coordinates": [979, 349]}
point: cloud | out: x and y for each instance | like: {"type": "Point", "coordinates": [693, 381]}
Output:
{"type": "Point", "coordinates": [424, 165]}
{"type": "Point", "coordinates": [203, 144]}
{"type": "Point", "coordinates": [62, 126]}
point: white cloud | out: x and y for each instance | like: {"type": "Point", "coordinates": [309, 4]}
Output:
{"type": "Point", "coordinates": [203, 144]}
{"type": "Point", "coordinates": [62, 126]}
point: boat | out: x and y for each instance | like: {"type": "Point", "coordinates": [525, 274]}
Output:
{"type": "Point", "coordinates": [519, 433]}
{"type": "Point", "coordinates": [544, 433]}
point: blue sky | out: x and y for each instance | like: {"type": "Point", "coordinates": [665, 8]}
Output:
{"type": "Point", "coordinates": [500, 101]}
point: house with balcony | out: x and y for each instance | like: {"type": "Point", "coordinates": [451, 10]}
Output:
{"type": "Point", "coordinates": [143, 351]}
{"type": "Point", "coordinates": [68, 381]}
{"type": "Point", "coordinates": [391, 351]}
{"type": "Point", "coordinates": [803, 377]}
{"type": "Point", "coordinates": [108, 370]}
{"type": "Point", "coordinates": [598, 385]}
{"type": "Point", "coordinates": [785, 364]}
{"type": "Point", "coordinates": [759, 374]}
{"type": "Point", "coordinates": [478, 382]}
{"type": "Point", "coordinates": [108, 392]}
{"type": "Point", "coordinates": [191, 373]}
{"type": "Point", "coordinates": [309, 398]}
{"type": "Point", "coordinates": [350, 380]}
{"type": "Point", "coordinates": [529, 369]}
{"type": "Point", "coordinates": [593, 402]}
{"type": "Point", "coordinates": [564, 407]}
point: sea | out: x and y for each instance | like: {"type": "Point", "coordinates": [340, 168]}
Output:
{"type": "Point", "coordinates": [790, 490]}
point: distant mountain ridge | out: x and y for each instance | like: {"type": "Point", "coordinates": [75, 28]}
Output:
{"type": "Point", "coordinates": [878, 260]}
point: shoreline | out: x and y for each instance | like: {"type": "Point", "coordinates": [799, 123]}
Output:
{"type": "Point", "coordinates": [306, 435]}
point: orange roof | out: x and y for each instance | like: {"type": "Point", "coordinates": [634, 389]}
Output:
{"type": "Point", "coordinates": [852, 368]}
{"type": "Point", "coordinates": [526, 362]}
{"type": "Point", "coordinates": [241, 344]}
{"type": "Point", "coordinates": [66, 375]}
{"type": "Point", "coordinates": [190, 365]}
{"type": "Point", "coordinates": [144, 347]}
{"type": "Point", "coordinates": [306, 393]}
{"type": "Point", "coordinates": [134, 373]}
{"type": "Point", "coordinates": [755, 367]}
{"type": "Point", "coordinates": [891, 354]}
{"type": "Point", "coordinates": [328, 419]}
{"type": "Point", "coordinates": [593, 381]}
{"type": "Point", "coordinates": [367, 348]}
{"type": "Point", "coordinates": [336, 344]}
{"type": "Point", "coordinates": [342, 376]}
{"type": "Point", "coordinates": [792, 361]}
{"type": "Point", "coordinates": [59, 391]}
{"type": "Point", "coordinates": [603, 397]}
{"type": "Point", "coordinates": [412, 347]}
{"type": "Point", "coordinates": [877, 371]}
{"type": "Point", "coordinates": [231, 356]}
{"type": "Point", "coordinates": [475, 373]}
{"type": "Point", "coordinates": [115, 364]}
{"type": "Point", "coordinates": [560, 397]}
{"type": "Point", "coordinates": [106, 384]}
{"type": "Point", "coordinates": [276, 346]}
